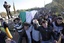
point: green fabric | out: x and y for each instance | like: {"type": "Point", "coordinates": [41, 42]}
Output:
{"type": "Point", "coordinates": [2, 29]}
{"type": "Point", "coordinates": [22, 16]}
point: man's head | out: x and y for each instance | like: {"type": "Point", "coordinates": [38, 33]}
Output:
{"type": "Point", "coordinates": [46, 16]}
{"type": "Point", "coordinates": [59, 20]}
{"type": "Point", "coordinates": [5, 2]}
{"type": "Point", "coordinates": [49, 14]}
{"type": "Point", "coordinates": [26, 26]}
{"type": "Point", "coordinates": [44, 23]}
{"type": "Point", "coordinates": [16, 20]}
{"type": "Point", "coordinates": [40, 17]}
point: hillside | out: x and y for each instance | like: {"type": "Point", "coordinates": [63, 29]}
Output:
{"type": "Point", "coordinates": [56, 3]}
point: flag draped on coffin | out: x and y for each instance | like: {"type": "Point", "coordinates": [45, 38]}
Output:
{"type": "Point", "coordinates": [27, 16]}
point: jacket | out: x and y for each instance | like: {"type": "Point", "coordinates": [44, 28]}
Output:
{"type": "Point", "coordinates": [46, 33]}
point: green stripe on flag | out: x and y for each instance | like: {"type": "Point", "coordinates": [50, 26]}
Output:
{"type": "Point", "coordinates": [22, 16]}
{"type": "Point", "coordinates": [2, 29]}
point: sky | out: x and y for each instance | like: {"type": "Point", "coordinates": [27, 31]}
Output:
{"type": "Point", "coordinates": [24, 4]}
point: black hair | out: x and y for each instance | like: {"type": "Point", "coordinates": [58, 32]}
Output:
{"type": "Point", "coordinates": [5, 2]}
{"type": "Point", "coordinates": [46, 14]}
{"type": "Point", "coordinates": [26, 24]}
{"type": "Point", "coordinates": [60, 18]}
{"type": "Point", "coordinates": [43, 21]}
{"type": "Point", "coordinates": [16, 19]}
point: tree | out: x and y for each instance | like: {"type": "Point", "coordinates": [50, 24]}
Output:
{"type": "Point", "coordinates": [58, 3]}
{"type": "Point", "coordinates": [54, 9]}
{"type": "Point", "coordinates": [3, 14]}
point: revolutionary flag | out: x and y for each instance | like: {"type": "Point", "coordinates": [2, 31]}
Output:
{"type": "Point", "coordinates": [27, 16]}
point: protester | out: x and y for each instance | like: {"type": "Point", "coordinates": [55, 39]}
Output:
{"type": "Point", "coordinates": [50, 17]}
{"type": "Point", "coordinates": [46, 31]}
{"type": "Point", "coordinates": [18, 28]}
{"type": "Point", "coordinates": [47, 17]}
{"type": "Point", "coordinates": [62, 40]}
{"type": "Point", "coordinates": [54, 18]}
{"type": "Point", "coordinates": [7, 7]}
{"type": "Point", "coordinates": [40, 19]}
{"type": "Point", "coordinates": [35, 34]}
{"type": "Point", "coordinates": [27, 32]}
{"type": "Point", "coordinates": [58, 26]}
{"type": "Point", "coordinates": [4, 34]}
{"type": "Point", "coordinates": [45, 28]}
{"type": "Point", "coordinates": [23, 30]}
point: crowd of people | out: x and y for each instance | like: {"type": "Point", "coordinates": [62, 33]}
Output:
{"type": "Point", "coordinates": [45, 29]}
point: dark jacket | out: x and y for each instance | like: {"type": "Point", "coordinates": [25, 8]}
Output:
{"type": "Point", "coordinates": [2, 37]}
{"type": "Point", "coordinates": [46, 33]}
{"type": "Point", "coordinates": [59, 29]}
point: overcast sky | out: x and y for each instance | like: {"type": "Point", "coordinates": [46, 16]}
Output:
{"type": "Point", "coordinates": [24, 4]}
